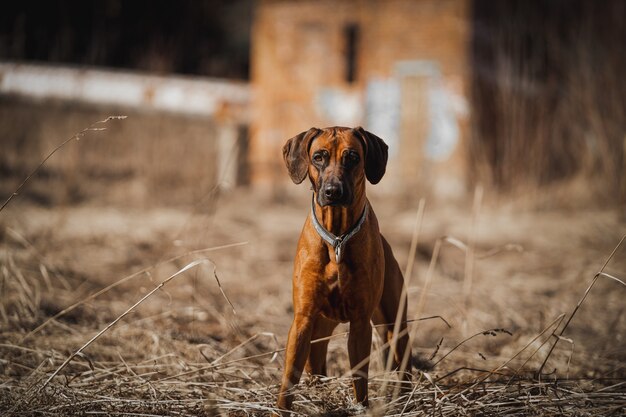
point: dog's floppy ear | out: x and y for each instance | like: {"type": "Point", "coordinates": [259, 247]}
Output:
{"type": "Point", "coordinates": [296, 154]}
{"type": "Point", "coordinates": [376, 153]}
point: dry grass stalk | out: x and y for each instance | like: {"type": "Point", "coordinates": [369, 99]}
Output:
{"type": "Point", "coordinates": [408, 276]}
{"type": "Point", "coordinates": [128, 278]}
{"type": "Point", "coordinates": [468, 277]}
{"type": "Point", "coordinates": [569, 319]}
{"type": "Point", "coordinates": [124, 314]}
{"type": "Point", "coordinates": [77, 136]}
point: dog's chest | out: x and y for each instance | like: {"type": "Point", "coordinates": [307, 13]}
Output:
{"type": "Point", "coordinates": [342, 301]}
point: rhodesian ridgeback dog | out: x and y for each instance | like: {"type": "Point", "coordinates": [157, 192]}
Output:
{"type": "Point", "coordinates": [344, 268]}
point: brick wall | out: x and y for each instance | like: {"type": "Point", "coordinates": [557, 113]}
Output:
{"type": "Point", "coordinates": [407, 84]}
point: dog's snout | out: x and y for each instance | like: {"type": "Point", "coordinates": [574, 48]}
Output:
{"type": "Point", "coordinates": [333, 191]}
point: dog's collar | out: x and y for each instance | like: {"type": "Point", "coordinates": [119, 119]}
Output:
{"type": "Point", "coordinates": [337, 242]}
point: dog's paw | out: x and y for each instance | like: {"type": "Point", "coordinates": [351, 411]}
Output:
{"type": "Point", "coordinates": [314, 380]}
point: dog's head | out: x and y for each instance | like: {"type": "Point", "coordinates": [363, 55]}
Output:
{"type": "Point", "coordinates": [337, 160]}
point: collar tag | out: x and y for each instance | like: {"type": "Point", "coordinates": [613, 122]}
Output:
{"type": "Point", "coordinates": [338, 253]}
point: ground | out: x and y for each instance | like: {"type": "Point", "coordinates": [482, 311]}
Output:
{"type": "Point", "coordinates": [508, 273]}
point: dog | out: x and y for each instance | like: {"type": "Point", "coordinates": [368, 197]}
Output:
{"type": "Point", "coordinates": [344, 269]}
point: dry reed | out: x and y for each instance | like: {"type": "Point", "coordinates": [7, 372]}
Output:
{"type": "Point", "coordinates": [243, 381]}
{"type": "Point", "coordinates": [143, 369]}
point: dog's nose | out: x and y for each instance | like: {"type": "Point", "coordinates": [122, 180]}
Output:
{"type": "Point", "coordinates": [333, 191]}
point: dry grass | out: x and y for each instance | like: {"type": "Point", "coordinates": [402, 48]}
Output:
{"type": "Point", "coordinates": [135, 162]}
{"type": "Point", "coordinates": [541, 87]}
{"type": "Point", "coordinates": [92, 320]}
{"type": "Point", "coordinates": [143, 368]}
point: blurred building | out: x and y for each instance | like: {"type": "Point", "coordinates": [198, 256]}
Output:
{"type": "Point", "coordinates": [516, 94]}
{"type": "Point", "coordinates": [398, 68]}
{"type": "Point", "coordinates": [177, 68]}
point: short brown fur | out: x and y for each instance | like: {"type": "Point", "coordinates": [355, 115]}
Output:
{"type": "Point", "coordinates": [366, 286]}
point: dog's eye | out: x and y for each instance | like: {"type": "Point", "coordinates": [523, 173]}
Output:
{"type": "Point", "coordinates": [351, 158]}
{"type": "Point", "coordinates": [318, 157]}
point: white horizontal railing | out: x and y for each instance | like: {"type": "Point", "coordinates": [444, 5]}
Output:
{"type": "Point", "coordinates": [178, 94]}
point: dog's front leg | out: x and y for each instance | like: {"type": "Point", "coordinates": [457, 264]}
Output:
{"type": "Point", "coordinates": [359, 346]}
{"type": "Point", "coordinates": [298, 347]}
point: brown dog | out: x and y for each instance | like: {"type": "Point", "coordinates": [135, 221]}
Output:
{"type": "Point", "coordinates": [344, 269]}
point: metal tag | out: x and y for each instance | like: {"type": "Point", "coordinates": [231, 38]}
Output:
{"type": "Point", "coordinates": [338, 253]}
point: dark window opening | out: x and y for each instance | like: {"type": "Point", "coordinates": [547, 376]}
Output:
{"type": "Point", "coordinates": [243, 150]}
{"type": "Point", "coordinates": [352, 40]}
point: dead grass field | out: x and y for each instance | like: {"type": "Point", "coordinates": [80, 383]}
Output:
{"type": "Point", "coordinates": [186, 351]}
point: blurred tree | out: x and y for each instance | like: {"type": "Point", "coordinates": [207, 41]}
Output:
{"type": "Point", "coordinates": [548, 98]}
{"type": "Point", "coordinates": [199, 37]}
